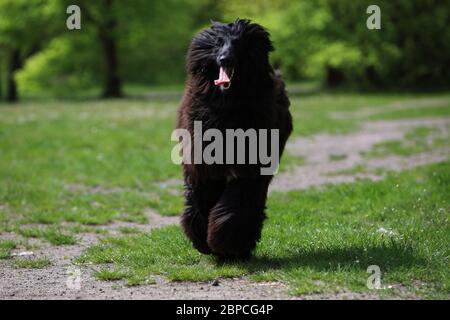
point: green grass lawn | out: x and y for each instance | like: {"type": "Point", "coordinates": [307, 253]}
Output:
{"type": "Point", "coordinates": [318, 240]}
{"type": "Point", "coordinates": [54, 153]}
{"type": "Point", "coordinates": [90, 162]}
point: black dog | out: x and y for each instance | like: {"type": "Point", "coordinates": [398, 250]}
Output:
{"type": "Point", "coordinates": [230, 85]}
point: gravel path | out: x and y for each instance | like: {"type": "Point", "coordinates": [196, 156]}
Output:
{"type": "Point", "coordinates": [319, 168]}
{"type": "Point", "coordinates": [318, 152]}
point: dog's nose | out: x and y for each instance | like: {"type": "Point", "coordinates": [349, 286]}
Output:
{"type": "Point", "coordinates": [224, 60]}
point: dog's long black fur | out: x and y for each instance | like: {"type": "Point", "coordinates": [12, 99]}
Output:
{"type": "Point", "coordinates": [225, 203]}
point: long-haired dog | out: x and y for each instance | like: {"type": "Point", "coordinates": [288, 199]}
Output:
{"type": "Point", "coordinates": [230, 85]}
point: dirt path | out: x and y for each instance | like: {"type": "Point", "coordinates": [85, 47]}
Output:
{"type": "Point", "coordinates": [319, 168]}
{"type": "Point", "coordinates": [59, 281]}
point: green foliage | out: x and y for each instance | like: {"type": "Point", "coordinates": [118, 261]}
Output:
{"type": "Point", "coordinates": [325, 39]}
{"type": "Point", "coordinates": [150, 49]}
{"type": "Point", "coordinates": [399, 54]}
{"type": "Point", "coordinates": [312, 37]}
{"type": "Point", "coordinates": [49, 72]}
{"type": "Point", "coordinates": [24, 24]}
{"type": "Point", "coordinates": [25, 27]}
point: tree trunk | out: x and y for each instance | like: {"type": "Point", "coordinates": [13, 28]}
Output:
{"type": "Point", "coordinates": [334, 77]}
{"type": "Point", "coordinates": [15, 64]}
{"type": "Point", "coordinates": [112, 85]}
{"type": "Point", "coordinates": [1, 80]}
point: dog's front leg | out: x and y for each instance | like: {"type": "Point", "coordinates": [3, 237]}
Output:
{"type": "Point", "coordinates": [200, 198]}
{"type": "Point", "coordinates": [236, 220]}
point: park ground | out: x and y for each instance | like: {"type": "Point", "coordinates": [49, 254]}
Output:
{"type": "Point", "coordinates": [87, 189]}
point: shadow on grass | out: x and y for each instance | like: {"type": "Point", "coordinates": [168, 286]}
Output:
{"type": "Point", "coordinates": [335, 259]}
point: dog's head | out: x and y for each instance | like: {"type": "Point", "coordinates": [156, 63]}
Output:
{"type": "Point", "coordinates": [227, 51]}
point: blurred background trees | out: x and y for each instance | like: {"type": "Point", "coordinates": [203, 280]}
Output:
{"type": "Point", "coordinates": [25, 28]}
{"type": "Point", "coordinates": [329, 40]}
{"type": "Point", "coordinates": [143, 43]}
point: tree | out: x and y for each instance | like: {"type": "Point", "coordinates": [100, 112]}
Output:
{"type": "Point", "coordinates": [329, 40]}
{"type": "Point", "coordinates": [1, 73]}
{"type": "Point", "coordinates": [412, 49]}
{"type": "Point", "coordinates": [133, 42]}
{"type": "Point", "coordinates": [102, 15]}
{"type": "Point", "coordinates": [24, 27]}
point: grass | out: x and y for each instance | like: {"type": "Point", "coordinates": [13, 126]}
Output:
{"type": "Point", "coordinates": [360, 168]}
{"type": "Point", "coordinates": [330, 235]}
{"type": "Point", "coordinates": [53, 235]}
{"type": "Point", "coordinates": [6, 246]}
{"type": "Point", "coordinates": [418, 140]}
{"type": "Point", "coordinates": [39, 263]}
{"type": "Point", "coordinates": [443, 111]}
{"type": "Point", "coordinates": [91, 162]}
{"type": "Point", "coordinates": [338, 157]}
{"type": "Point", "coordinates": [314, 114]}
{"type": "Point", "coordinates": [103, 145]}
{"type": "Point", "coordinates": [109, 275]}
{"type": "Point", "coordinates": [129, 230]}
{"type": "Point", "coordinates": [290, 162]}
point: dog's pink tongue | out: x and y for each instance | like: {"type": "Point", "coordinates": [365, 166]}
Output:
{"type": "Point", "coordinates": [223, 78]}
